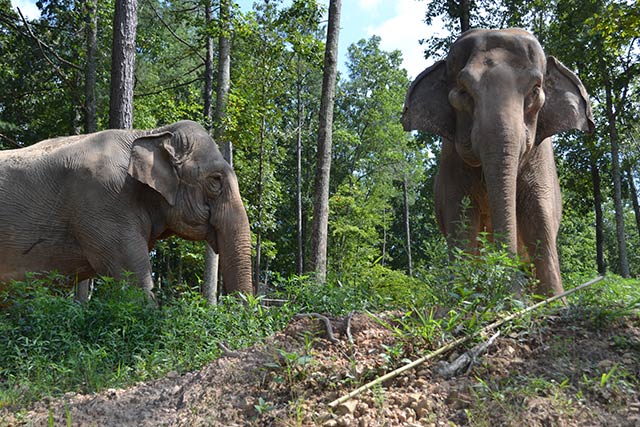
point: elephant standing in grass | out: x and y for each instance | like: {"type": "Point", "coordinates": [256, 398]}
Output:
{"type": "Point", "coordinates": [96, 204]}
{"type": "Point", "coordinates": [496, 100]}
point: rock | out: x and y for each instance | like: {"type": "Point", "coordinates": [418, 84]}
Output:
{"type": "Point", "coordinates": [330, 423]}
{"type": "Point", "coordinates": [347, 421]}
{"type": "Point", "coordinates": [347, 407]}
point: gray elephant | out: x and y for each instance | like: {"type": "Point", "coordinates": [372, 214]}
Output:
{"type": "Point", "coordinates": [95, 204]}
{"type": "Point", "coordinates": [496, 100]}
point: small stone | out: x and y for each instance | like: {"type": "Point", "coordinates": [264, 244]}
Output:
{"type": "Point", "coordinates": [330, 423]}
{"type": "Point", "coordinates": [347, 407]}
{"type": "Point", "coordinates": [346, 421]}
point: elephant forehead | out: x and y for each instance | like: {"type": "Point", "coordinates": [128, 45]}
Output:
{"type": "Point", "coordinates": [517, 48]}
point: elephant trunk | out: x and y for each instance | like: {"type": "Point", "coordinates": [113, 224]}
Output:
{"type": "Point", "coordinates": [234, 248]}
{"type": "Point", "coordinates": [500, 159]}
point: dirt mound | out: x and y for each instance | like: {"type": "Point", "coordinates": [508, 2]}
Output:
{"type": "Point", "coordinates": [569, 372]}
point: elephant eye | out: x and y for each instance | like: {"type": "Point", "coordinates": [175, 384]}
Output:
{"type": "Point", "coordinates": [461, 100]}
{"type": "Point", "coordinates": [214, 185]}
{"type": "Point", "coordinates": [535, 98]}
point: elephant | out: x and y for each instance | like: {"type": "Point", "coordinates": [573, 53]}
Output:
{"type": "Point", "coordinates": [496, 100]}
{"type": "Point", "coordinates": [95, 204]}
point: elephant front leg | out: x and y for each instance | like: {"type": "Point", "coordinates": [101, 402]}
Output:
{"type": "Point", "coordinates": [539, 207]}
{"type": "Point", "coordinates": [124, 259]}
{"type": "Point", "coordinates": [458, 201]}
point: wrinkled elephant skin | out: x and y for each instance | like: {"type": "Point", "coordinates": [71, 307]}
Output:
{"type": "Point", "coordinates": [496, 100]}
{"type": "Point", "coordinates": [95, 204]}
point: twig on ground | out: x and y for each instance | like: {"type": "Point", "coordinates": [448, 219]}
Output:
{"type": "Point", "coordinates": [347, 327]}
{"type": "Point", "coordinates": [465, 362]}
{"type": "Point", "coordinates": [226, 352]}
{"type": "Point", "coordinates": [458, 342]}
{"type": "Point", "coordinates": [327, 324]}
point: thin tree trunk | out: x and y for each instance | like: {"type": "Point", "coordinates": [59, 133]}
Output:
{"type": "Point", "coordinates": [90, 76]}
{"type": "Point", "coordinates": [211, 259]}
{"type": "Point", "coordinates": [258, 270]}
{"type": "Point", "coordinates": [407, 227]}
{"type": "Point", "coordinates": [633, 194]}
{"type": "Point", "coordinates": [215, 121]}
{"type": "Point", "coordinates": [597, 205]}
{"type": "Point", "coordinates": [384, 237]}
{"type": "Point", "coordinates": [300, 255]}
{"type": "Point", "coordinates": [123, 58]}
{"type": "Point", "coordinates": [617, 184]}
{"type": "Point", "coordinates": [323, 167]}
{"type": "Point", "coordinates": [465, 14]}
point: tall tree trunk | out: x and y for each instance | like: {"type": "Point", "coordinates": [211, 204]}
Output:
{"type": "Point", "coordinates": [323, 167]}
{"type": "Point", "coordinates": [597, 205]}
{"type": "Point", "coordinates": [465, 13]}
{"type": "Point", "coordinates": [383, 258]}
{"type": "Point", "coordinates": [617, 182]}
{"type": "Point", "coordinates": [123, 58]}
{"type": "Point", "coordinates": [633, 194]}
{"type": "Point", "coordinates": [215, 121]}
{"type": "Point", "coordinates": [211, 259]}
{"type": "Point", "coordinates": [300, 255]}
{"type": "Point", "coordinates": [258, 266]}
{"type": "Point", "coordinates": [90, 71]}
{"type": "Point", "coordinates": [407, 226]}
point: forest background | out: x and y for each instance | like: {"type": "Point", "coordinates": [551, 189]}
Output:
{"type": "Point", "coordinates": [381, 225]}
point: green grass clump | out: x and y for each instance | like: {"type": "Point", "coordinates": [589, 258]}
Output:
{"type": "Point", "coordinates": [50, 344]}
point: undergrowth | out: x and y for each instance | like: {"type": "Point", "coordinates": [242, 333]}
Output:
{"type": "Point", "coordinates": [50, 345]}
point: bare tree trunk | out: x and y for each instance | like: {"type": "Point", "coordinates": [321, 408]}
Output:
{"type": "Point", "coordinates": [214, 121]}
{"type": "Point", "coordinates": [407, 227]}
{"type": "Point", "coordinates": [465, 14]}
{"type": "Point", "coordinates": [211, 259]}
{"type": "Point", "coordinates": [300, 256]}
{"type": "Point", "coordinates": [633, 194]}
{"type": "Point", "coordinates": [617, 184]}
{"type": "Point", "coordinates": [323, 167]}
{"type": "Point", "coordinates": [123, 58]}
{"type": "Point", "coordinates": [90, 76]}
{"type": "Point", "coordinates": [597, 205]}
{"type": "Point", "coordinates": [384, 237]}
{"type": "Point", "coordinates": [258, 265]}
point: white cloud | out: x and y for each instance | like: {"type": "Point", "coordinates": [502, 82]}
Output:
{"type": "Point", "coordinates": [27, 7]}
{"type": "Point", "coordinates": [369, 5]}
{"type": "Point", "coordinates": [403, 31]}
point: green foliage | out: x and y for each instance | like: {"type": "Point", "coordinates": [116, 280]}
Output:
{"type": "Point", "coordinates": [50, 344]}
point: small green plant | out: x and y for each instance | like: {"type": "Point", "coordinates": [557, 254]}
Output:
{"type": "Point", "coordinates": [263, 406]}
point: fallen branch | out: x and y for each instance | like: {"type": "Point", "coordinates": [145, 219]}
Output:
{"type": "Point", "coordinates": [327, 324]}
{"type": "Point", "coordinates": [458, 342]}
{"type": "Point", "coordinates": [465, 362]}
{"type": "Point", "coordinates": [347, 327]}
{"type": "Point", "coordinates": [226, 352]}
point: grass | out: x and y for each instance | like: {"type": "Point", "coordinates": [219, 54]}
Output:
{"type": "Point", "coordinates": [50, 345]}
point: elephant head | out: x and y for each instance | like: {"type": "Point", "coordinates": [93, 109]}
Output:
{"type": "Point", "coordinates": [496, 97]}
{"type": "Point", "coordinates": [200, 195]}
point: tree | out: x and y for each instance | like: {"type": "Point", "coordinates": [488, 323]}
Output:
{"type": "Point", "coordinates": [216, 117]}
{"type": "Point", "coordinates": [323, 167]}
{"type": "Point", "coordinates": [123, 58]}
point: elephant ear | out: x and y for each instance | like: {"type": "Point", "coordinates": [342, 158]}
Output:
{"type": "Point", "coordinates": [426, 106]}
{"type": "Point", "coordinates": [566, 103]}
{"type": "Point", "coordinates": [153, 161]}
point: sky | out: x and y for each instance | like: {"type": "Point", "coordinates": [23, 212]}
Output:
{"type": "Point", "coordinates": [399, 23]}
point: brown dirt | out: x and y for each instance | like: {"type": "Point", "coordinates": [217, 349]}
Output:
{"type": "Point", "coordinates": [549, 375]}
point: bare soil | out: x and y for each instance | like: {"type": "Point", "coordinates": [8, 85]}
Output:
{"type": "Point", "coordinates": [550, 374]}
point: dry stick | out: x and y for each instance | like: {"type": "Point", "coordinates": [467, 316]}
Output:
{"type": "Point", "coordinates": [458, 342]}
{"type": "Point", "coordinates": [327, 324]}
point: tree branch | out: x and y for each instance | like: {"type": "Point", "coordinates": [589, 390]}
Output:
{"type": "Point", "coordinates": [43, 45]}
{"type": "Point", "coordinates": [177, 37]}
